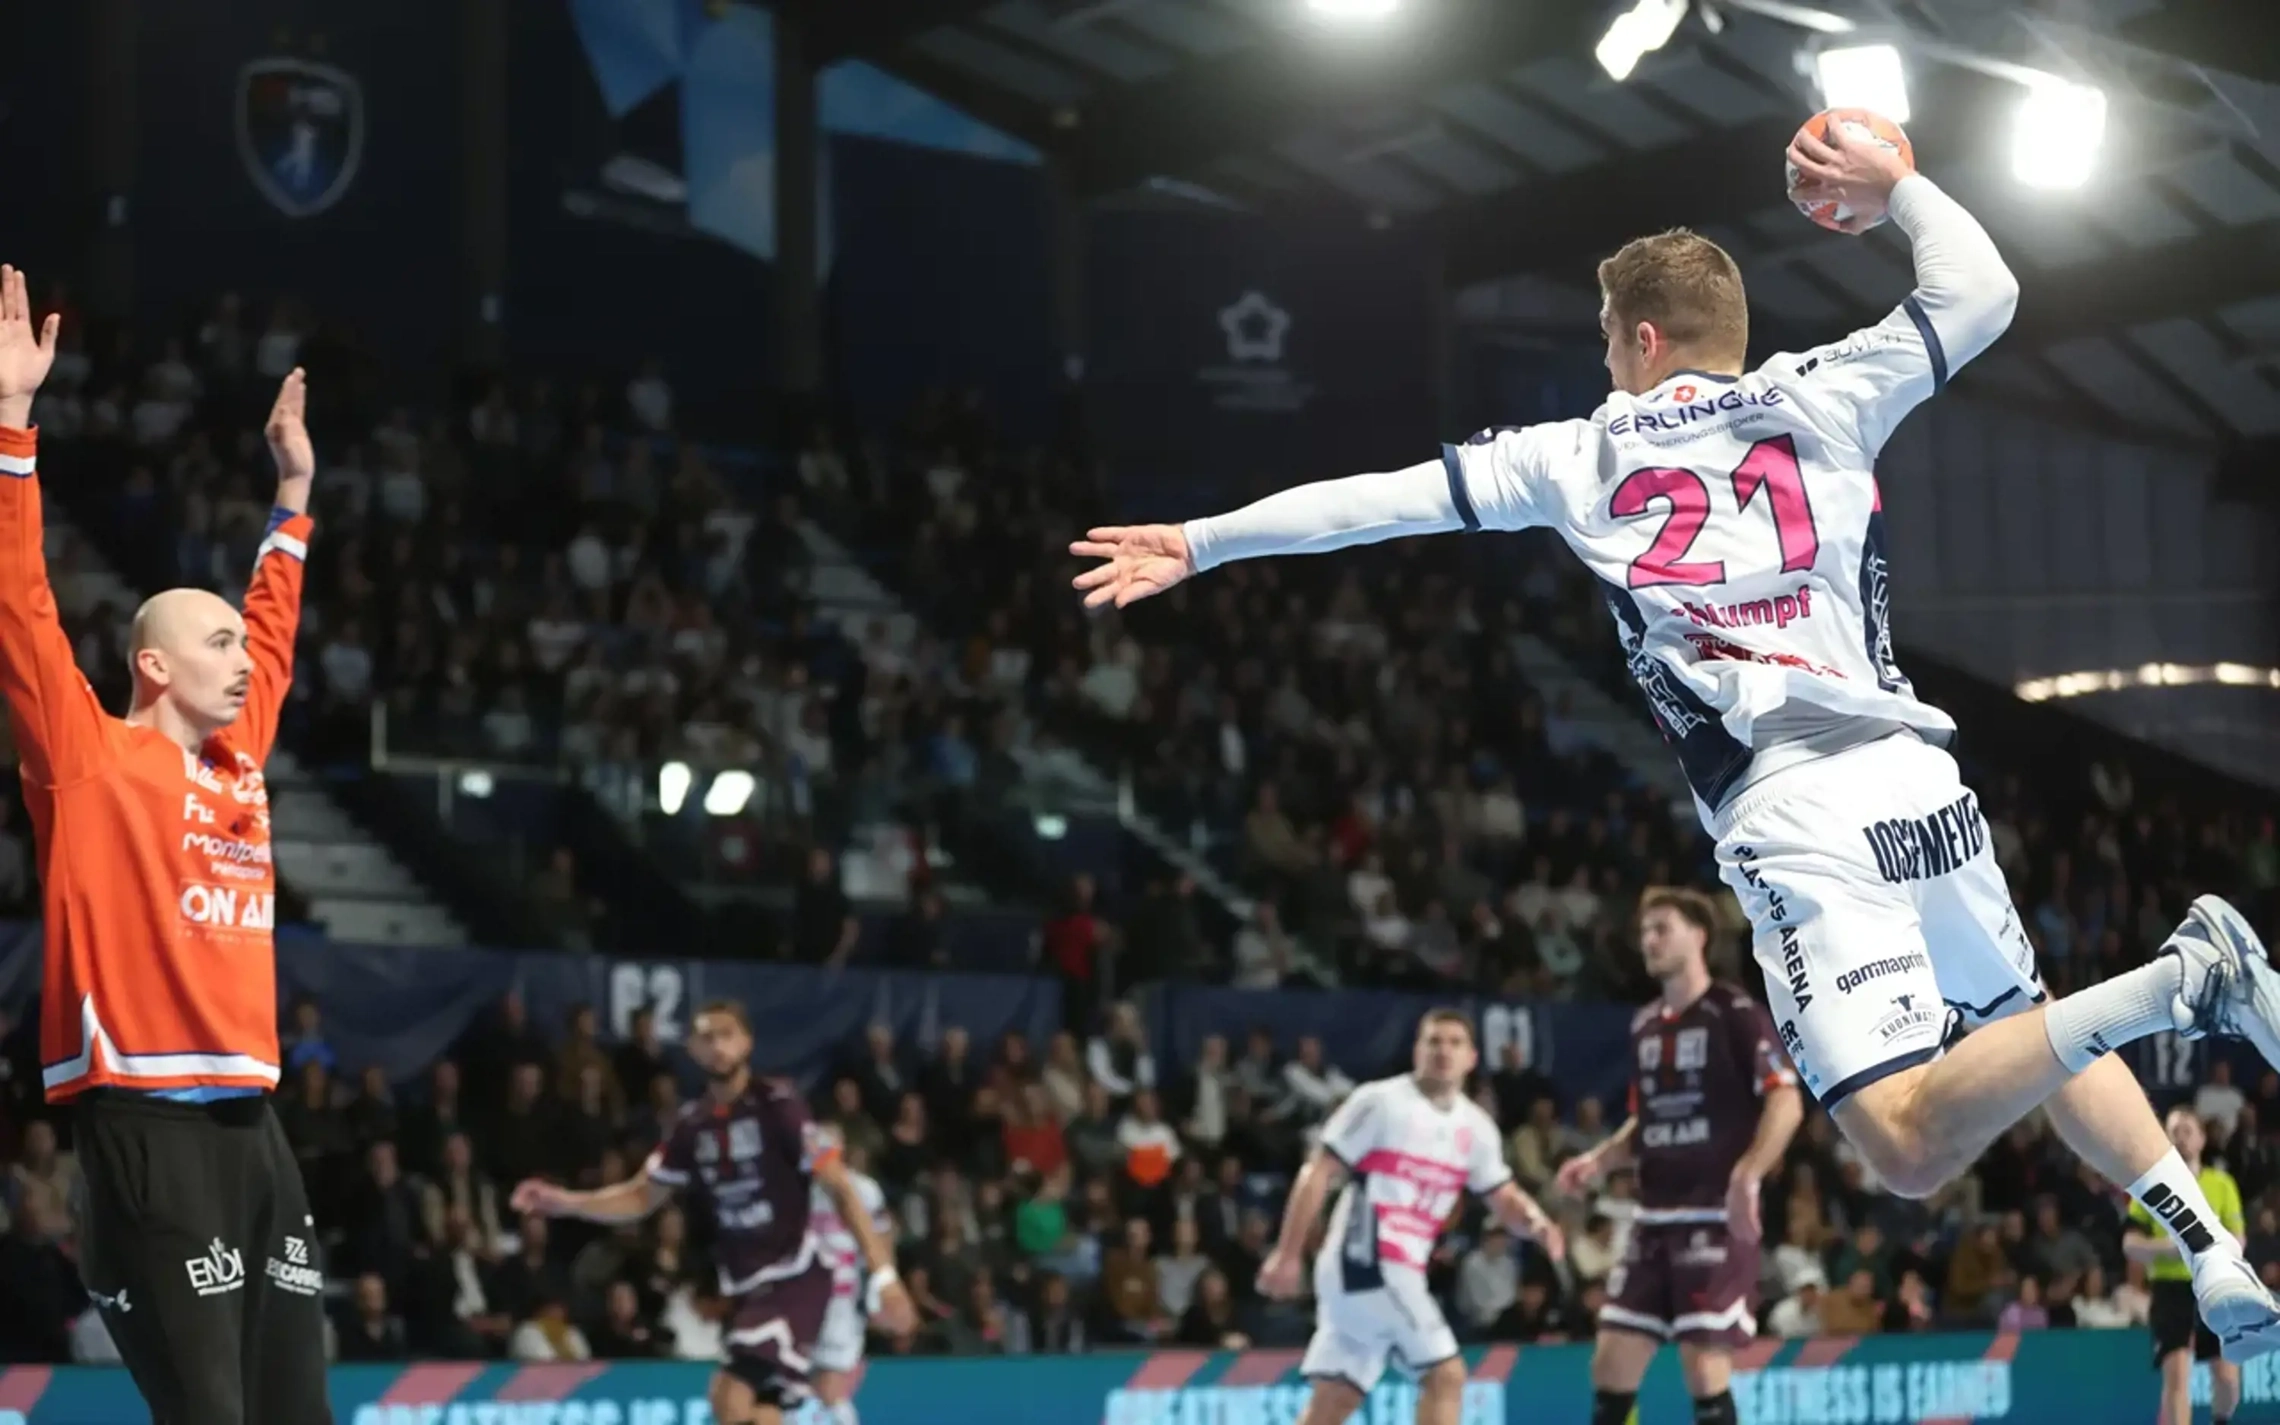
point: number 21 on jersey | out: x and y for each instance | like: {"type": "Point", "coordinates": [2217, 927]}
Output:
{"type": "Point", "coordinates": [1769, 469]}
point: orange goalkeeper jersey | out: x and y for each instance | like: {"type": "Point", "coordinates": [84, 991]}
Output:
{"type": "Point", "coordinates": [155, 871]}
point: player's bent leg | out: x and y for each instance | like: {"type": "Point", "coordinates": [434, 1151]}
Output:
{"type": "Point", "coordinates": [2224, 1391]}
{"type": "Point", "coordinates": [1333, 1401]}
{"type": "Point", "coordinates": [838, 1355]}
{"type": "Point", "coordinates": [1923, 1125]}
{"type": "Point", "coordinates": [2177, 1388]}
{"type": "Point", "coordinates": [285, 1321]}
{"type": "Point", "coordinates": [735, 1402]}
{"type": "Point", "coordinates": [1346, 1356]}
{"type": "Point", "coordinates": [170, 1285]}
{"type": "Point", "coordinates": [1441, 1393]}
{"type": "Point", "coordinates": [1709, 1372]}
{"type": "Point", "coordinates": [1619, 1360]}
{"type": "Point", "coordinates": [835, 1394]}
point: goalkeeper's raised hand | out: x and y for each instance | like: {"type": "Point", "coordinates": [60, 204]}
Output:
{"type": "Point", "coordinates": [25, 354]}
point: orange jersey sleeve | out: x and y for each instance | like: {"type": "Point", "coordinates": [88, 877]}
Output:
{"type": "Point", "coordinates": [61, 731]}
{"type": "Point", "coordinates": [272, 622]}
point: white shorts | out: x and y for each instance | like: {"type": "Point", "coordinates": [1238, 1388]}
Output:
{"type": "Point", "coordinates": [839, 1346]}
{"type": "Point", "coordinates": [1358, 1333]}
{"type": "Point", "coordinates": [1880, 918]}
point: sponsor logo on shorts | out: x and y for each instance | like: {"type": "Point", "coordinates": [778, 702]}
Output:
{"type": "Point", "coordinates": [221, 1270]}
{"type": "Point", "coordinates": [1912, 849]}
{"type": "Point", "coordinates": [117, 1303]}
{"type": "Point", "coordinates": [1905, 1017]}
{"type": "Point", "coordinates": [294, 1274]}
{"type": "Point", "coordinates": [2022, 949]}
{"type": "Point", "coordinates": [1792, 949]}
{"type": "Point", "coordinates": [1853, 979]}
{"type": "Point", "coordinates": [1701, 1251]}
{"type": "Point", "coordinates": [1793, 1044]}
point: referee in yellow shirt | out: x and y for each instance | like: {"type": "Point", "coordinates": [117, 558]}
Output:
{"type": "Point", "coordinates": [2179, 1338]}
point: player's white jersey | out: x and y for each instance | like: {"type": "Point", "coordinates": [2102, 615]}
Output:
{"type": "Point", "coordinates": [835, 1242]}
{"type": "Point", "coordinates": [1735, 526]}
{"type": "Point", "coordinates": [1411, 1162]}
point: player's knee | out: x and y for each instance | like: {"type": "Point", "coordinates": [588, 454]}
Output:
{"type": "Point", "coordinates": [1444, 1381]}
{"type": "Point", "coordinates": [1331, 1402]}
{"type": "Point", "coordinates": [1885, 1123]}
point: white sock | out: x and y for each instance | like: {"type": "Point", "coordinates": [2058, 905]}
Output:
{"type": "Point", "coordinates": [2091, 1023]}
{"type": "Point", "coordinates": [2171, 1192]}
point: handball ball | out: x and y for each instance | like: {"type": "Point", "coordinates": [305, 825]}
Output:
{"type": "Point", "coordinates": [1859, 125]}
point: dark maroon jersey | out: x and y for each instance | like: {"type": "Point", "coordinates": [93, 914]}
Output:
{"type": "Point", "coordinates": [751, 1164]}
{"type": "Point", "coordinates": [1702, 1075]}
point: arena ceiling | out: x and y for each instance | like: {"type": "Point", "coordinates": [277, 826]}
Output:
{"type": "Point", "coordinates": [2152, 295]}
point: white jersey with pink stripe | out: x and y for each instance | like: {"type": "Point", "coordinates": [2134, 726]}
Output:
{"type": "Point", "coordinates": [1411, 1159]}
{"type": "Point", "coordinates": [835, 1242]}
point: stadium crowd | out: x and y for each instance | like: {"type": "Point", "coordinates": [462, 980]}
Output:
{"type": "Point", "coordinates": [545, 575]}
{"type": "Point", "coordinates": [1058, 1197]}
{"type": "Point", "coordinates": [563, 577]}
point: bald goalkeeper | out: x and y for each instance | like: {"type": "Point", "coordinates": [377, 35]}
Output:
{"type": "Point", "coordinates": [159, 1020]}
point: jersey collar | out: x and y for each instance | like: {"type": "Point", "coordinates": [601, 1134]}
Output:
{"type": "Point", "coordinates": [1718, 376]}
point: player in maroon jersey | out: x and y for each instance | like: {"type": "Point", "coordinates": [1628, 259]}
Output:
{"type": "Point", "coordinates": [747, 1151]}
{"type": "Point", "coordinates": [1713, 1105]}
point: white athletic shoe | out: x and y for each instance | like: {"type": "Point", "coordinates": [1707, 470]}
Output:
{"type": "Point", "coordinates": [2236, 1306]}
{"type": "Point", "coordinates": [2227, 987]}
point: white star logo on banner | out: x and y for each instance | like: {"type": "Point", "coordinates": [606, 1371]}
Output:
{"type": "Point", "coordinates": [1255, 328]}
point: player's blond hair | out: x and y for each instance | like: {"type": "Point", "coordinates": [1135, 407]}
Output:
{"type": "Point", "coordinates": [1686, 285]}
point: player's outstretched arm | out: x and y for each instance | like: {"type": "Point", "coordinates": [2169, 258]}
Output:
{"type": "Point", "coordinates": [1323, 1175]}
{"type": "Point", "coordinates": [1143, 560]}
{"type": "Point", "coordinates": [273, 598]}
{"type": "Point", "coordinates": [60, 727]}
{"type": "Point", "coordinates": [1584, 1169]}
{"type": "Point", "coordinates": [629, 1201]}
{"type": "Point", "coordinates": [884, 1295]}
{"type": "Point", "coordinates": [1526, 1217]}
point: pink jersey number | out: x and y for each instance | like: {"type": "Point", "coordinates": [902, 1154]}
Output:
{"type": "Point", "coordinates": [1771, 466]}
{"type": "Point", "coordinates": [1689, 499]}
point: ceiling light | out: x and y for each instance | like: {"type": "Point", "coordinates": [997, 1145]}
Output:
{"type": "Point", "coordinates": [1637, 33]}
{"type": "Point", "coordinates": [2060, 127]}
{"type": "Point", "coordinates": [1863, 77]}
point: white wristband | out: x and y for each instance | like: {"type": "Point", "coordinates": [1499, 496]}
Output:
{"type": "Point", "coordinates": [873, 1289]}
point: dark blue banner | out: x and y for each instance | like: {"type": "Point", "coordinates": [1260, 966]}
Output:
{"type": "Point", "coordinates": [52, 208]}
{"type": "Point", "coordinates": [618, 253]}
{"type": "Point", "coordinates": [291, 151]}
{"type": "Point", "coordinates": [940, 279]}
{"type": "Point", "coordinates": [1238, 353]}
{"type": "Point", "coordinates": [402, 1008]}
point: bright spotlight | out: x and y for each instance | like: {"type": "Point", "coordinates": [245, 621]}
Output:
{"type": "Point", "coordinates": [1863, 77]}
{"type": "Point", "coordinates": [673, 781]}
{"type": "Point", "coordinates": [1353, 9]}
{"type": "Point", "coordinates": [1637, 33]}
{"type": "Point", "coordinates": [728, 793]}
{"type": "Point", "coordinates": [2060, 127]}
